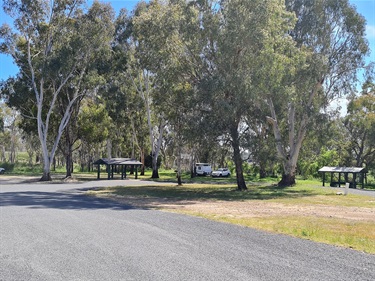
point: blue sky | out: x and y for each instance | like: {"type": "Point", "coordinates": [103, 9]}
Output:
{"type": "Point", "coordinates": [364, 7]}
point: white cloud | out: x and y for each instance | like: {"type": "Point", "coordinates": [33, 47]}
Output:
{"type": "Point", "coordinates": [370, 31]}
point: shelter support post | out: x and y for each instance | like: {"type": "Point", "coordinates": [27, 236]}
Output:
{"type": "Point", "coordinates": [363, 180]}
{"type": "Point", "coordinates": [123, 172]}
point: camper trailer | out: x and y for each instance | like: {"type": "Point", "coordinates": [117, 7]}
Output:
{"type": "Point", "coordinates": [203, 169]}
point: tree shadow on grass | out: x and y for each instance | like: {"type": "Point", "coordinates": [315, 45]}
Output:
{"type": "Point", "coordinates": [58, 200]}
{"type": "Point", "coordinates": [144, 197]}
{"type": "Point", "coordinates": [226, 194]}
{"type": "Point", "coordinates": [275, 192]}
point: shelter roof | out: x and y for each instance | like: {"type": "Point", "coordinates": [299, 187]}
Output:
{"type": "Point", "coordinates": [117, 161]}
{"type": "Point", "coordinates": [343, 169]}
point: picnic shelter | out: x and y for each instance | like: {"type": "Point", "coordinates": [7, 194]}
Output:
{"type": "Point", "coordinates": [342, 175]}
{"type": "Point", "coordinates": [118, 165]}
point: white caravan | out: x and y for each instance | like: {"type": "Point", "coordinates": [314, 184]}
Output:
{"type": "Point", "coordinates": [203, 169]}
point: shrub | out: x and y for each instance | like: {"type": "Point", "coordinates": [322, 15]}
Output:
{"type": "Point", "coordinates": [9, 167]}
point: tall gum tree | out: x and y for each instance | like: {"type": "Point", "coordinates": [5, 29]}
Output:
{"type": "Point", "coordinates": [240, 34]}
{"type": "Point", "coordinates": [142, 74]}
{"type": "Point", "coordinates": [54, 45]}
{"type": "Point", "coordinates": [164, 54]}
{"type": "Point", "coordinates": [122, 101]}
{"type": "Point", "coordinates": [330, 34]}
{"type": "Point", "coordinates": [360, 127]}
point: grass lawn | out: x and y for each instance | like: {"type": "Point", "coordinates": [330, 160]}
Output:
{"type": "Point", "coordinates": [307, 210]}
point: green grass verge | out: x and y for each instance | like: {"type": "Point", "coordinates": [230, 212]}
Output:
{"type": "Point", "coordinates": [340, 232]}
{"type": "Point", "coordinates": [303, 193]}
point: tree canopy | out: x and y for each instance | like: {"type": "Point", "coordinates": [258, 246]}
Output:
{"type": "Point", "coordinates": [204, 78]}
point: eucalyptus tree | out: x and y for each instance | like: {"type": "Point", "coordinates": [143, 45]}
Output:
{"type": "Point", "coordinates": [11, 125]}
{"type": "Point", "coordinates": [125, 105]}
{"type": "Point", "coordinates": [161, 67]}
{"type": "Point", "coordinates": [324, 139]}
{"type": "Point", "coordinates": [260, 142]}
{"type": "Point", "coordinates": [115, 98]}
{"type": "Point", "coordinates": [32, 146]}
{"type": "Point", "coordinates": [9, 137]}
{"type": "Point", "coordinates": [70, 133]}
{"type": "Point", "coordinates": [54, 44]}
{"type": "Point", "coordinates": [143, 84]}
{"type": "Point", "coordinates": [241, 35]}
{"type": "Point", "coordinates": [331, 37]}
{"type": "Point", "coordinates": [95, 124]}
{"type": "Point", "coordinates": [138, 80]}
{"type": "Point", "coordinates": [360, 127]}
{"type": "Point", "coordinates": [95, 77]}
{"type": "Point", "coordinates": [1, 121]}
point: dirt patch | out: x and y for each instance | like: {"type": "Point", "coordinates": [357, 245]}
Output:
{"type": "Point", "coordinates": [249, 209]}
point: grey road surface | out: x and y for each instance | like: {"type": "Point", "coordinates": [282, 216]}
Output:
{"type": "Point", "coordinates": [54, 232]}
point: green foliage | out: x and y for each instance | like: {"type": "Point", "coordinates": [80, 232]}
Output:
{"type": "Point", "coordinates": [242, 65]}
{"type": "Point", "coordinates": [201, 75]}
{"type": "Point", "coordinates": [26, 169]}
{"type": "Point", "coordinates": [330, 44]}
{"type": "Point", "coordinates": [94, 123]}
{"type": "Point", "coordinates": [7, 166]}
{"type": "Point", "coordinates": [309, 167]}
{"type": "Point", "coordinates": [360, 126]}
{"type": "Point", "coordinates": [148, 161]}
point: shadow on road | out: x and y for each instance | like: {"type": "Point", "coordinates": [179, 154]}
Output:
{"type": "Point", "coordinates": [58, 200]}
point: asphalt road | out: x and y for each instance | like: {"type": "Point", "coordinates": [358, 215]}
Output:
{"type": "Point", "coordinates": [54, 232]}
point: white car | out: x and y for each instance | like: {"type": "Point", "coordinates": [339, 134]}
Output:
{"type": "Point", "coordinates": [2, 170]}
{"type": "Point", "coordinates": [221, 172]}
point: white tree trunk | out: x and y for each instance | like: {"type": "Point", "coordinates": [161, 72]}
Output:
{"type": "Point", "coordinates": [289, 154]}
{"type": "Point", "coordinates": [144, 90]}
{"type": "Point", "coordinates": [43, 124]}
{"type": "Point", "coordinates": [109, 148]}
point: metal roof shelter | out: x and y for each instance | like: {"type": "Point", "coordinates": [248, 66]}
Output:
{"type": "Point", "coordinates": [113, 163]}
{"type": "Point", "coordinates": [360, 171]}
